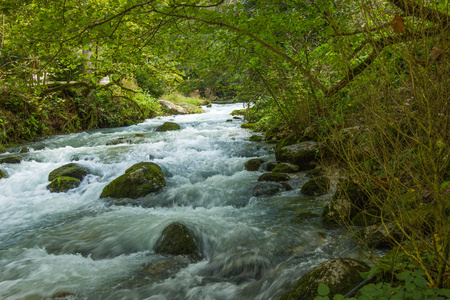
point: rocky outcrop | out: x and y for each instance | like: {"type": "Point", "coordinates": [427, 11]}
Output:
{"type": "Point", "coordinates": [138, 181]}
{"type": "Point", "coordinates": [172, 108]}
{"type": "Point", "coordinates": [63, 184]}
{"type": "Point", "coordinates": [285, 168]}
{"type": "Point", "coordinates": [66, 177]}
{"type": "Point", "coordinates": [302, 154]}
{"type": "Point", "coordinates": [316, 186]}
{"type": "Point", "coordinates": [276, 177]}
{"type": "Point", "coordinates": [13, 159]}
{"type": "Point", "coordinates": [70, 170]}
{"type": "Point", "coordinates": [177, 239]}
{"type": "Point", "coordinates": [168, 126]}
{"type": "Point", "coordinates": [341, 275]}
{"type": "Point", "coordinates": [253, 164]}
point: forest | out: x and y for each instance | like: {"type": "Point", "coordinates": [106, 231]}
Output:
{"type": "Point", "coordinates": [368, 80]}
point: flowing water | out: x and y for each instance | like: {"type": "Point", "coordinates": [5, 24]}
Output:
{"type": "Point", "coordinates": [253, 247]}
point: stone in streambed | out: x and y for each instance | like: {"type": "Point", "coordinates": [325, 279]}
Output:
{"type": "Point", "coordinates": [138, 181]}
{"type": "Point", "coordinates": [177, 239]}
{"type": "Point", "coordinates": [253, 164]}
{"type": "Point", "coordinates": [316, 186]}
{"type": "Point", "coordinates": [302, 154]}
{"type": "Point", "coordinates": [276, 177]}
{"type": "Point", "coordinates": [285, 168]}
{"type": "Point", "coordinates": [13, 159]}
{"type": "Point", "coordinates": [168, 126]}
{"type": "Point", "coordinates": [341, 275]}
{"type": "Point", "coordinates": [2, 174]}
{"type": "Point", "coordinates": [70, 170]}
{"type": "Point", "coordinates": [63, 184]}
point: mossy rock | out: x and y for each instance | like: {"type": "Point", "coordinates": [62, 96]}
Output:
{"type": "Point", "coordinates": [276, 177]}
{"type": "Point", "coordinates": [168, 126]}
{"type": "Point", "coordinates": [239, 112]}
{"type": "Point", "coordinates": [13, 159]}
{"type": "Point", "coordinates": [337, 213]}
{"type": "Point", "coordinates": [353, 192]}
{"type": "Point", "coordinates": [24, 150]}
{"type": "Point", "coordinates": [255, 138]}
{"type": "Point", "coordinates": [138, 181]}
{"type": "Point", "coordinates": [285, 168]}
{"type": "Point", "coordinates": [380, 236]}
{"type": "Point", "coordinates": [70, 170]}
{"type": "Point", "coordinates": [341, 275]}
{"type": "Point", "coordinates": [316, 186]}
{"type": "Point", "coordinates": [229, 120]}
{"type": "Point", "coordinates": [287, 141]}
{"type": "Point", "coordinates": [63, 184]}
{"type": "Point", "coordinates": [177, 239]}
{"type": "Point", "coordinates": [2, 149]}
{"type": "Point", "coordinates": [315, 172]}
{"type": "Point", "coordinates": [302, 154]}
{"type": "Point", "coordinates": [192, 109]}
{"type": "Point", "coordinates": [2, 174]}
{"type": "Point", "coordinates": [248, 125]}
{"type": "Point", "coordinates": [253, 164]}
{"type": "Point", "coordinates": [366, 218]}
{"type": "Point", "coordinates": [268, 188]}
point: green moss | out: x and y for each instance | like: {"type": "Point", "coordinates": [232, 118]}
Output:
{"type": "Point", "coordinates": [63, 184]}
{"type": "Point", "coordinates": [340, 275]}
{"type": "Point", "coordinates": [276, 177]}
{"type": "Point", "coordinates": [138, 181]}
{"type": "Point", "coordinates": [14, 159]}
{"type": "Point", "coordinates": [286, 168]}
{"type": "Point", "coordinates": [2, 149]}
{"type": "Point", "coordinates": [255, 138]}
{"type": "Point", "coordinates": [302, 154]}
{"type": "Point", "coordinates": [316, 186]}
{"type": "Point", "coordinates": [2, 174]}
{"type": "Point", "coordinates": [239, 112]}
{"type": "Point", "coordinates": [69, 170]}
{"type": "Point", "coordinates": [248, 125]}
{"type": "Point", "coordinates": [24, 150]}
{"type": "Point", "coordinates": [168, 126]}
{"type": "Point", "coordinates": [253, 164]}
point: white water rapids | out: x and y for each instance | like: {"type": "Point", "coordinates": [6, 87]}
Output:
{"type": "Point", "coordinates": [253, 247]}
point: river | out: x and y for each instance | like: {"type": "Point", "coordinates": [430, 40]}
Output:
{"type": "Point", "coordinates": [253, 247]}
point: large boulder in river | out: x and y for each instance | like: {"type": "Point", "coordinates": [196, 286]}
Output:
{"type": "Point", "coordinates": [168, 126]}
{"type": "Point", "coordinates": [70, 170]}
{"type": "Point", "coordinates": [177, 239]}
{"type": "Point", "coordinates": [138, 181]}
{"type": "Point", "coordinates": [63, 184]}
{"type": "Point", "coordinates": [172, 108]}
{"type": "Point", "coordinates": [341, 275]}
{"type": "Point", "coordinates": [302, 154]}
{"type": "Point", "coordinates": [253, 164]}
{"type": "Point", "coordinates": [13, 159]}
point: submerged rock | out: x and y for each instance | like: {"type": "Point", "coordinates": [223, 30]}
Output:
{"type": "Point", "coordinates": [285, 168]}
{"type": "Point", "coordinates": [253, 164]}
{"type": "Point", "coordinates": [70, 170]}
{"type": "Point", "coordinates": [302, 154]}
{"type": "Point", "coordinates": [177, 239]}
{"type": "Point", "coordinates": [267, 188]}
{"type": "Point", "coordinates": [138, 181]}
{"type": "Point", "coordinates": [63, 184]}
{"type": "Point", "coordinates": [168, 126]}
{"type": "Point", "coordinates": [316, 186]}
{"type": "Point", "coordinates": [341, 275]}
{"type": "Point", "coordinates": [277, 177]}
{"type": "Point", "coordinates": [13, 159]}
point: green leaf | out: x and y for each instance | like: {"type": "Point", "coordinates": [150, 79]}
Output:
{"type": "Point", "coordinates": [323, 289]}
{"type": "Point", "coordinates": [420, 282]}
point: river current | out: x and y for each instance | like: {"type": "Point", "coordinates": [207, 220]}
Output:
{"type": "Point", "coordinates": [75, 242]}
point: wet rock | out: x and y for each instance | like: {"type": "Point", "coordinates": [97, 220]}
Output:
{"type": "Point", "coordinates": [253, 164]}
{"type": "Point", "coordinates": [269, 166]}
{"type": "Point", "coordinates": [168, 126]}
{"type": "Point", "coordinates": [70, 170]}
{"type": "Point", "coordinates": [139, 135]}
{"type": "Point", "coordinates": [302, 154]}
{"type": "Point", "coordinates": [2, 174]}
{"type": "Point", "coordinates": [315, 172]}
{"type": "Point", "coordinates": [316, 186]}
{"type": "Point", "coordinates": [341, 275]}
{"type": "Point", "coordinates": [237, 118]}
{"type": "Point", "coordinates": [276, 177]}
{"type": "Point", "coordinates": [267, 188]}
{"type": "Point", "coordinates": [138, 181]}
{"type": "Point", "coordinates": [24, 150]}
{"type": "Point", "coordinates": [172, 108]}
{"type": "Point", "coordinates": [177, 239]}
{"type": "Point", "coordinates": [209, 105]}
{"type": "Point", "coordinates": [118, 141]}
{"type": "Point", "coordinates": [380, 236]}
{"type": "Point", "coordinates": [229, 120]}
{"type": "Point", "coordinates": [13, 159]}
{"type": "Point", "coordinates": [63, 184]}
{"type": "Point", "coordinates": [285, 168]}
{"type": "Point", "coordinates": [255, 138]}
